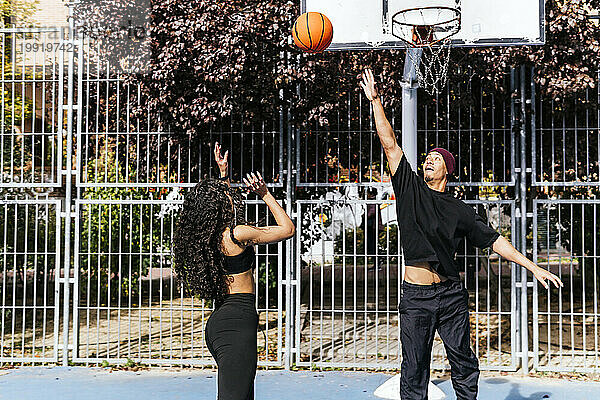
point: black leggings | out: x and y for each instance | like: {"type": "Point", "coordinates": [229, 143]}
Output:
{"type": "Point", "coordinates": [231, 339]}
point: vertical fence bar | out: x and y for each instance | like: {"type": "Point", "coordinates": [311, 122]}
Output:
{"type": "Point", "coordinates": [289, 298]}
{"type": "Point", "coordinates": [78, 172]}
{"type": "Point", "coordinates": [523, 227]}
{"type": "Point", "coordinates": [515, 293]}
{"type": "Point", "coordinates": [60, 123]}
{"type": "Point", "coordinates": [535, 305]}
{"type": "Point", "coordinates": [68, 193]}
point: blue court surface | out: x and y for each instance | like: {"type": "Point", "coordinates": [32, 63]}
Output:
{"type": "Point", "coordinates": [101, 384]}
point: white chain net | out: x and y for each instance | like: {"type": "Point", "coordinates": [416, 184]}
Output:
{"type": "Point", "coordinates": [432, 72]}
{"type": "Point", "coordinates": [429, 27]}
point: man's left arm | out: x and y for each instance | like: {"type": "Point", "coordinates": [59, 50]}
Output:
{"type": "Point", "coordinates": [482, 235]}
{"type": "Point", "coordinates": [507, 250]}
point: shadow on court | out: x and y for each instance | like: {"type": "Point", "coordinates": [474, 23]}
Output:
{"type": "Point", "coordinates": [512, 388]}
{"type": "Point", "coordinates": [67, 383]}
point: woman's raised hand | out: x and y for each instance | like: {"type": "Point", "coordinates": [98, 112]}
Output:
{"type": "Point", "coordinates": [221, 159]}
{"type": "Point", "coordinates": [255, 183]}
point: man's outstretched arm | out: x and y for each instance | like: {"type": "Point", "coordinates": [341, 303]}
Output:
{"type": "Point", "coordinates": [385, 132]}
{"type": "Point", "coordinates": [507, 250]}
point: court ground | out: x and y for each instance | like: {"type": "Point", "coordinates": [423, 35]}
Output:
{"type": "Point", "coordinates": [65, 383]}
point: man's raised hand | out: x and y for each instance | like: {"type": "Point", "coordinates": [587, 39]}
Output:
{"type": "Point", "coordinates": [368, 84]}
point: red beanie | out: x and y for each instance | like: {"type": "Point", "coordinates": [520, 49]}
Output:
{"type": "Point", "coordinates": [448, 158]}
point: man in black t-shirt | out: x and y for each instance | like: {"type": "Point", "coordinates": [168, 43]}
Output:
{"type": "Point", "coordinates": [432, 224]}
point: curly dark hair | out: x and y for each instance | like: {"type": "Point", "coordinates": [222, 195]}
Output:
{"type": "Point", "coordinates": [198, 258]}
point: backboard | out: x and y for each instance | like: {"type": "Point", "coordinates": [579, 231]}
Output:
{"type": "Point", "coordinates": [367, 24]}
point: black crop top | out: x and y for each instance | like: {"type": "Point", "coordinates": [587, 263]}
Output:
{"type": "Point", "coordinates": [241, 262]}
{"type": "Point", "coordinates": [433, 224]}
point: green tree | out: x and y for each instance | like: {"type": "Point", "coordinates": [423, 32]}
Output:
{"type": "Point", "coordinates": [17, 12]}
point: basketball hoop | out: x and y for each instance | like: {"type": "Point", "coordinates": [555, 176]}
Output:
{"type": "Point", "coordinates": [429, 28]}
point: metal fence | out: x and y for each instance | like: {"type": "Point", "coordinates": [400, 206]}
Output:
{"type": "Point", "coordinates": [346, 306]}
{"type": "Point", "coordinates": [472, 118]}
{"type": "Point", "coordinates": [31, 157]}
{"type": "Point", "coordinates": [565, 322]}
{"type": "Point", "coordinates": [349, 263]}
{"type": "Point", "coordinates": [566, 143]}
{"type": "Point", "coordinates": [91, 193]}
{"type": "Point", "coordinates": [127, 302]}
{"type": "Point", "coordinates": [30, 289]}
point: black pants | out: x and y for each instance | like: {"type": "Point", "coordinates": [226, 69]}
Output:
{"type": "Point", "coordinates": [423, 310]}
{"type": "Point", "coordinates": [231, 339]}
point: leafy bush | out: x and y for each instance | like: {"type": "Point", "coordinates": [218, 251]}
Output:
{"type": "Point", "coordinates": [120, 242]}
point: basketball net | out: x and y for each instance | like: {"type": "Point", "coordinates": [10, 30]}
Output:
{"type": "Point", "coordinates": [432, 70]}
{"type": "Point", "coordinates": [430, 27]}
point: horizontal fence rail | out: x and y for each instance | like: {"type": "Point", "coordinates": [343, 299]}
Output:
{"type": "Point", "coordinates": [164, 159]}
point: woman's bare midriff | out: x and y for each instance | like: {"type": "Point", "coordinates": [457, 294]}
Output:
{"type": "Point", "coordinates": [241, 283]}
{"type": "Point", "coordinates": [237, 283]}
{"type": "Point", "coordinates": [422, 274]}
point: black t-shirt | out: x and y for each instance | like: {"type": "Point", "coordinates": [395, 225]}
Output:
{"type": "Point", "coordinates": [432, 224]}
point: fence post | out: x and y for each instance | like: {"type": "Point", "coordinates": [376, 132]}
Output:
{"type": "Point", "coordinates": [534, 285]}
{"type": "Point", "coordinates": [285, 126]}
{"type": "Point", "coordinates": [68, 175]}
{"type": "Point", "coordinates": [515, 281]}
{"type": "Point", "coordinates": [286, 280]}
{"type": "Point", "coordinates": [519, 290]}
{"type": "Point", "coordinates": [519, 125]}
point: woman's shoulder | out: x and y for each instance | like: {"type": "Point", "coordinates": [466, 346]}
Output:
{"type": "Point", "coordinates": [243, 232]}
{"type": "Point", "coordinates": [232, 245]}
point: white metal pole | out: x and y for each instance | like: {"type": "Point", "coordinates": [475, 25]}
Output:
{"type": "Point", "coordinates": [410, 84]}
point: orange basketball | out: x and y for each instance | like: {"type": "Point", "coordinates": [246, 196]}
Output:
{"type": "Point", "coordinates": [312, 32]}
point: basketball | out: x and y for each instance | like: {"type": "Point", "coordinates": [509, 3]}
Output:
{"type": "Point", "coordinates": [312, 32]}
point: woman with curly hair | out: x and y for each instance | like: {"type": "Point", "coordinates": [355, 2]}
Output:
{"type": "Point", "coordinates": [214, 258]}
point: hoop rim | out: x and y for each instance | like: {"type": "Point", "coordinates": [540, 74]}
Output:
{"type": "Point", "coordinates": [457, 18]}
